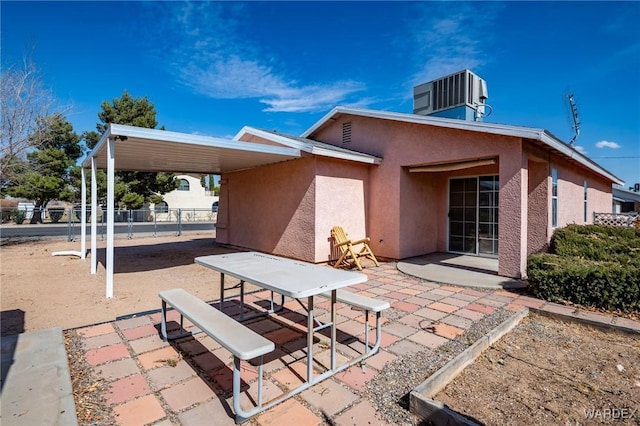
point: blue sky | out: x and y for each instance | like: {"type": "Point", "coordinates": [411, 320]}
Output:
{"type": "Point", "coordinates": [211, 68]}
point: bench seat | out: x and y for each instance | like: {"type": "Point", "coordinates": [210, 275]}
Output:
{"type": "Point", "coordinates": [367, 304]}
{"type": "Point", "coordinates": [359, 301]}
{"type": "Point", "coordinates": [241, 341]}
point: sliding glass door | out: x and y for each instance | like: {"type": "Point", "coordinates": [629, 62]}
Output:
{"type": "Point", "coordinates": [473, 215]}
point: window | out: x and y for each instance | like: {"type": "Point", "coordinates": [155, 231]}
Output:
{"type": "Point", "coordinates": [586, 190]}
{"type": "Point", "coordinates": [184, 185]}
{"type": "Point", "coordinates": [554, 198]}
{"type": "Point", "coordinates": [161, 207]}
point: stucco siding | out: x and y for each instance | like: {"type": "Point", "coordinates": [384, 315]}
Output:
{"type": "Point", "coordinates": [571, 194]}
{"type": "Point", "coordinates": [538, 202]}
{"type": "Point", "coordinates": [512, 216]}
{"type": "Point", "coordinates": [397, 201]}
{"type": "Point", "coordinates": [419, 209]}
{"type": "Point", "coordinates": [341, 199]}
{"type": "Point", "coordinates": [272, 209]}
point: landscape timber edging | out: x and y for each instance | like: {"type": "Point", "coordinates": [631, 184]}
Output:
{"type": "Point", "coordinates": [420, 402]}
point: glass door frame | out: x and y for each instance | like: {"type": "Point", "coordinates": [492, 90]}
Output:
{"type": "Point", "coordinates": [490, 206]}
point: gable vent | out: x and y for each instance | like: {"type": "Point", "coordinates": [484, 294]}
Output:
{"type": "Point", "coordinates": [346, 132]}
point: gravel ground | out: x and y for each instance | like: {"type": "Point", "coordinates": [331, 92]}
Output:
{"type": "Point", "coordinates": [389, 391]}
{"type": "Point", "coordinates": [88, 389]}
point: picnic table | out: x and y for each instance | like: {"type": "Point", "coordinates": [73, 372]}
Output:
{"type": "Point", "coordinates": [299, 280]}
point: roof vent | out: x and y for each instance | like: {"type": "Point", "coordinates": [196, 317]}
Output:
{"type": "Point", "coordinates": [346, 132]}
{"type": "Point", "coordinates": [460, 95]}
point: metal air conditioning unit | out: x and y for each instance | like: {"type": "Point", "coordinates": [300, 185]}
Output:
{"type": "Point", "coordinates": [461, 95]}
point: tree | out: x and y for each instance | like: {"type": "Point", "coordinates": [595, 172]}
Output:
{"type": "Point", "coordinates": [45, 175]}
{"type": "Point", "coordinates": [132, 189]}
{"type": "Point", "coordinates": [25, 105]}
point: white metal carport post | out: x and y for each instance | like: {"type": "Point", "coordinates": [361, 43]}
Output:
{"type": "Point", "coordinates": [110, 211]}
{"type": "Point", "coordinates": [94, 217]}
{"type": "Point", "coordinates": [83, 216]}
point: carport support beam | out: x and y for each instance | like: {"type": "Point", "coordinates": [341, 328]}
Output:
{"type": "Point", "coordinates": [94, 217]}
{"type": "Point", "coordinates": [83, 216]}
{"type": "Point", "coordinates": [110, 213]}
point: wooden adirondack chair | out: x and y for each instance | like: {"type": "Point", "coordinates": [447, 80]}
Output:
{"type": "Point", "coordinates": [348, 252]}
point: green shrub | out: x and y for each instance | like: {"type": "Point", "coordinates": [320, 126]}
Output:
{"type": "Point", "coordinates": [605, 285]}
{"type": "Point", "coordinates": [591, 265]}
{"type": "Point", "coordinates": [18, 216]}
{"type": "Point", "coordinates": [598, 242]}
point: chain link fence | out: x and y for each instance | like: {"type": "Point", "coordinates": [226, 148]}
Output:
{"type": "Point", "coordinates": [130, 222]}
{"type": "Point", "coordinates": [147, 221]}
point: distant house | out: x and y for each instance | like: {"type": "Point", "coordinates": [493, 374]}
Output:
{"type": "Point", "coordinates": [625, 201]}
{"type": "Point", "coordinates": [415, 185]}
{"type": "Point", "coordinates": [191, 197]}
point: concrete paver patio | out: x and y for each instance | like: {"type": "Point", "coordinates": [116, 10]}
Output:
{"type": "Point", "coordinates": [189, 382]}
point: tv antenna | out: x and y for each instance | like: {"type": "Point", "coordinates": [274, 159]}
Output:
{"type": "Point", "coordinates": [576, 120]}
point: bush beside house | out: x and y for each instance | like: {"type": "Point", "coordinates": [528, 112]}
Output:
{"type": "Point", "coordinates": [591, 265]}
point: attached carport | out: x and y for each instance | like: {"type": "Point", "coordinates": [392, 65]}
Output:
{"type": "Point", "coordinates": [129, 148]}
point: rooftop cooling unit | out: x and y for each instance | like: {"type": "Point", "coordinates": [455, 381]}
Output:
{"type": "Point", "coordinates": [460, 95]}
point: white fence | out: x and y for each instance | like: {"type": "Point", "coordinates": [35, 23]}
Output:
{"type": "Point", "coordinates": [628, 220]}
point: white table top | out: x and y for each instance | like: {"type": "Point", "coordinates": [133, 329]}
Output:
{"type": "Point", "coordinates": [291, 278]}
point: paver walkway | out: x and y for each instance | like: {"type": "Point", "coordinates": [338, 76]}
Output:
{"type": "Point", "coordinates": [189, 382]}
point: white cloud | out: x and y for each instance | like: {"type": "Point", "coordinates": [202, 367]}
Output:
{"type": "Point", "coordinates": [607, 144]}
{"type": "Point", "coordinates": [450, 37]}
{"type": "Point", "coordinates": [210, 58]}
{"type": "Point", "coordinates": [580, 149]}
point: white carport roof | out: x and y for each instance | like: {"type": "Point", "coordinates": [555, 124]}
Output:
{"type": "Point", "coordinates": [149, 150]}
{"type": "Point", "coordinates": [152, 150]}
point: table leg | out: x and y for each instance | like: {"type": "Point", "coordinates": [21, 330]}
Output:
{"type": "Point", "coordinates": [333, 329]}
{"type": "Point", "coordinates": [221, 291]}
{"type": "Point", "coordinates": [310, 333]}
{"type": "Point", "coordinates": [163, 326]}
{"type": "Point", "coordinates": [241, 300]}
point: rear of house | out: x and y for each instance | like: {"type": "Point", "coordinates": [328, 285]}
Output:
{"type": "Point", "coordinates": [414, 184]}
{"type": "Point", "coordinates": [473, 188]}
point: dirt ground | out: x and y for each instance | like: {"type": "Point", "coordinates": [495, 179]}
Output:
{"type": "Point", "coordinates": [547, 371]}
{"type": "Point", "coordinates": [39, 290]}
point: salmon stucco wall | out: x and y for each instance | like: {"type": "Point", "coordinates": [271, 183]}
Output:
{"type": "Point", "coordinates": [402, 212]}
{"type": "Point", "coordinates": [419, 211]}
{"type": "Point", "coordinates": [341, 199]}
{"type": "Point", "coordinates": [571, 194]}
{"type": "Point", "coordinates": [271, 209]}
{"type": "Point", "coordinates": [538, 202]}
{"type": "Point", "coordinates": [512, 215]}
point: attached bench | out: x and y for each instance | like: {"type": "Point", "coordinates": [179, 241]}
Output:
{"type": "Point", "coordinates": [367, 304]}
{"type": "Point", "coordinates": [244, 343]}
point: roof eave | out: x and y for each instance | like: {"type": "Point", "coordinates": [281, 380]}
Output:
{"type": "Point", "coordinates": [308, 147]}
{"type": "Point", "coordinates": [522, 132]}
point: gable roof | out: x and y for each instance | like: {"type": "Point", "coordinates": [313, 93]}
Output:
{"type": "Point", "coordinates": [540, 135]}
{"type": "Point", "coordinates": [309, 146]}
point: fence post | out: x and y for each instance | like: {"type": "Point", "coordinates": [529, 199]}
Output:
{"type": "Point", "coordinates": [155, 222]}
{"type": "Point", "coordinates": [130, 224]}
{"type": "Point", "coordinates": [179, 222]}
{"type": "Point", "coordinates": [69, 225]}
